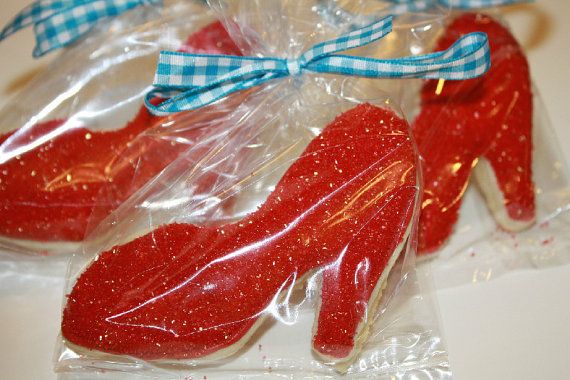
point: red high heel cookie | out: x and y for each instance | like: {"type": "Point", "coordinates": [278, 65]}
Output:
{"type": "Point", "coordinates": [344, 207]}
{"type": "Point", "coordinates": [49, 192]}
{"type": "Point", "coordinates": [483, 124]}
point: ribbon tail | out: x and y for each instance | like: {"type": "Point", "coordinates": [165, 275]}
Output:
{"type": "Point", "coordinates": [58, 23]}
{"type": "Point", "coordinates": [474, 4]}
{"type": "Point", "coordinates": [33, 13]}
{"type": "Point", "coordinates": [47, 40]}
{"type": "Point", "coordinates": [406, 6]}
{"type": "Point", "coordinates": [403, 6]}
{"type": "Point", "coordinates": [467, 58]}
{"type": "Point", "coordinates": [180, 100]}
{"type": "Point", "coordinates": [354, 39]}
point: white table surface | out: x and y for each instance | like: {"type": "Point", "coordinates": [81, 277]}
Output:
{"type": "Point", "coordinates": [513, 327]}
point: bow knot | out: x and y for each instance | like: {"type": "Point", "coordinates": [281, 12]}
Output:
{"type": "Point", "coordinates": [294, 67]}
{"type": "Point", "coordinates": [190, 81]}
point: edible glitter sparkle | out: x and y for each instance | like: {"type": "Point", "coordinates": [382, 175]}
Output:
{"type": "Point", "coordinates": [49, 193]}
{"type": "Point", "coordinates": [187, 291]}
{"type": "Point", "coordinates": [488, 117]}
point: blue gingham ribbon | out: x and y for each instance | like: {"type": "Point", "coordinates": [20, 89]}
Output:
{"type": "Point", "coordinates": [58, 23]}
{"type": "Point", "coordinates": [332, 13]}
{"type": "Point", "coordinates": [190, 81]}
{"type": "Point", "coordinates": [404, 6]}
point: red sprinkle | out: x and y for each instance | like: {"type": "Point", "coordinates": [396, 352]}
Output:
{"type": "Point", "coordinates": [50, 192]}
{"type": "Point", "coordinates": [488, 117]}
{"type": "Point", "coordinates": [185, 291]}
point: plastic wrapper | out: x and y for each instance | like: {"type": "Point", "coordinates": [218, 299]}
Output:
{"type": "Point", "coordinates": [63, 138]}
{"type": "Point", "coordinates": [416, 27]}
{"type": "Point", "coordinates": [281, 245]}
{"type": "Point", "coordinates": [489, 141]}
{"type": "Point", "coordinates": [478, 246]}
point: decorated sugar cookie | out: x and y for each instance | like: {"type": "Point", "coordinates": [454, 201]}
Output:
{"type": "Point", "coordinates": [481, 126]}
{"type": "Point", "coordinates": [48, 193]}
{"type": "Point", "coordinates": [343, 208]}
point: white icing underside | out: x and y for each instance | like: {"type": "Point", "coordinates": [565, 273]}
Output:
{"type": "Point", "coordinates": [487, 182]}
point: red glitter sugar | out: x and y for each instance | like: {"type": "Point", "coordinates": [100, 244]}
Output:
{"type": "Point", "coordinates": [488, 117]}
{"type": "Point", "coordinates": [186, 291]}
{"type": "Point", "coordinates": [49, 192]}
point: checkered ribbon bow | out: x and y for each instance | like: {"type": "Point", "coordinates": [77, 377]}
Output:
{"type": "Point", "coordinates": [58, 23]}
{"type": "Point", "coordinates": [403, 6]}
{"type": "Point", "coordinates": [190, 81]}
